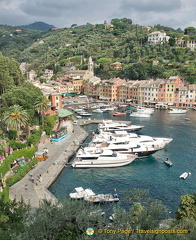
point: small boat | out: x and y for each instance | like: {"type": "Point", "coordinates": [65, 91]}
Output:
{"type": "Point", "coordinates": [187, 119]}
{"type": "Point", "coordinates": [102, 198]}
{"type": "Point", "coordinates": [80, 193]}
{"type": "Point", "coordinates": [98, 110]}
{"type": "Point", "coordinates": [184, 175]}
{"type": "Point", "coordinates": [140, 115]}
{"type": "Point", "coordinates": [169, 163]}
{"type": "Point", "coordinates": [119, 114]}
{"type": "Point", "coordinates": [85, 114]}
{"type": "Point", "coordinates": [177, 111]}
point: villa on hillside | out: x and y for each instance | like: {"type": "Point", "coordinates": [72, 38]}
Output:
{"type": "Point", "coordinates": [157, 37]}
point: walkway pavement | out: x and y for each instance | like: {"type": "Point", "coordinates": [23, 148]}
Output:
{"type": "Point", "coordinates": [59, 154]}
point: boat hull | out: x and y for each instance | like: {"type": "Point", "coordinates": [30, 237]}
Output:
{"type": "Point", "coordinates": [102, 198]}
{"type": "Point", "coordinates": [100, 164]}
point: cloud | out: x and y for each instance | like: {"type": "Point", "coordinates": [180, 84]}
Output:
{"type": "Point", "coordinates": [150, 5]}
{"type": "Point", "coordinates": [63, 13]}
{"type": "Point", "coordinates": [69, 11]}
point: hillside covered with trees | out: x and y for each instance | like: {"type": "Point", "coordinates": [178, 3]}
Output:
{"type": "Point", "coordinates": [120, 41]}
{"type": "Point", "coordinates": [71, 219]}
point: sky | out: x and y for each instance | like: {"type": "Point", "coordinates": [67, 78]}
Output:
{"type": "Point", "coordinates": [64, 13]}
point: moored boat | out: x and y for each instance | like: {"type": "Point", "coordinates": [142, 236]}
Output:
{"type": "Point", "coordinates": [99, 158]}
{"type": "Point", "coordinates": [184, 175]}
{"type": "Point", "coordinates": [140, 114]}
{"type": "Point", "coordinates": [111, 126]}
{"type": "Point", "coordinates": [177, 111]}
{"type": "Point", "coordinates": [167, 162]}
{"type": "Point", "coordinates": [98, 110]}
{"type": "Point", "coordinates": [85, 114]}
{"type": "Point", "coordinates": [80, 193]}
{"type": "Point", "coordinates": [102, 198]}
{"type": "Point", "coordinates": [119, 114]}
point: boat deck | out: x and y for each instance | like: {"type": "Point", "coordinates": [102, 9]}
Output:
{"type": "Point", "coordinates": [83, 122]}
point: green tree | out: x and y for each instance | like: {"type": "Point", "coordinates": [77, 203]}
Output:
{"type": "Point", "coordinates": [28, 92]}
{"type": "Point", "coordinates": [6, 80]}
{"type": "Point", "coordinates": [138, 71]}
{"type": "Point", "coordinates": [12, 215]}
{"type": "Point", "coordinates": [15, 117]}
{"type": "Point", "coordinates": [49, 124]}
{"type": "Point", "coordinates": [42, 106]}
{"type": "Point", "coordinates": [187, 208]}
{"type": "Point", "coordinates": [190, 31]}
{"type": "Point", "coordinates": [104, 63]}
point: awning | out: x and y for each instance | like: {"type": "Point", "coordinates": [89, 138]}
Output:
{"type": "Point", "coordinates": [104, 98]}
{"type": "Point", "coordinates": [64, 113]}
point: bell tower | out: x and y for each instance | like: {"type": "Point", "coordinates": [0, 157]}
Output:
{"type": "Point", "coordinates": [90, 65]}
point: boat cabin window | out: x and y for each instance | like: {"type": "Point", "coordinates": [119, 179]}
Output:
{"type": "Point", "coordinates": [114, 154]}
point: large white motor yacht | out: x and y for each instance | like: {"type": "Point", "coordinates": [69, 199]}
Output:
{"type": "Point", "coordinates": [98, 158]}
{"type": "Point", "coordinates": [111, 126]}
{"type": "Point", "coordinates": [123, 136]}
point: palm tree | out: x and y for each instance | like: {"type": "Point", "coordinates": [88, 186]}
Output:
{"type": "Point", "coordinates": [42, 106]}
{"type": "Point", "coordinates": [15, 117]}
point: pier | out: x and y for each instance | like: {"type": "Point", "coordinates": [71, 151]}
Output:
{"type": "Point", "coordinates": [59, 154]}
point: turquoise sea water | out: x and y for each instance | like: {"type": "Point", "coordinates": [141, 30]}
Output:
{"type": "Point", "coordinates": [150, 173]}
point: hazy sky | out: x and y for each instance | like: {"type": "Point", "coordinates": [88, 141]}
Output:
{"type": "Point", "coordinates": [64, 13]}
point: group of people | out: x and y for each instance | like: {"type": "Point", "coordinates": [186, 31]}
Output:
{"type": "Point", "coordinates": [33, 180]}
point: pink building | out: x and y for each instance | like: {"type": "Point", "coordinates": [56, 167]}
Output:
{"type": "Point", "coordinates": [56, 103]}
{"type": "Point", "coordinates": [109, 88]}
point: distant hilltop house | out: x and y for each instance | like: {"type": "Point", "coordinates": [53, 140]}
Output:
{"type": "Point", "coordinates": [185, 42]}
{"type": "Point", "coordinates": [48, 74]}
{"type": "Point", "coordinates": [116, 65]}
{"type": "Point", "coordinates": [31, 75]}
{"type": "Point", "coordinates": [24, 67]}
{"type": "Point", "coordinates": [158, 37]}
{"type": "Point", "coordinates": [108, 26]}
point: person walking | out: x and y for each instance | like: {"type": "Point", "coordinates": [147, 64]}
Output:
{"type": "Point", "coordinates": [32, 179]}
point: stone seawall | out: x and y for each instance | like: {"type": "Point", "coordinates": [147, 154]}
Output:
{"type": "Point", "coordinates": [49, 170]}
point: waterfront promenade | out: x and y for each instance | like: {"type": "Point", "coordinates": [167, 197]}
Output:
{"type": "Point", "coordinates": [59, 154]}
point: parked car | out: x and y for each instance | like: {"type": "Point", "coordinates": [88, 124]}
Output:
{"type": "Point", "coordinates": [75, 122]}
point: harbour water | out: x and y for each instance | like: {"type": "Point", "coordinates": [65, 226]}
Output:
{"type": "Point", "coordinates": [150, 173]}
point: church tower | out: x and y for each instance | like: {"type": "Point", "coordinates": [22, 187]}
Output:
{"type": "Point", "coordinates": [91, 65]}
{"type": "Point", "coordinates": [90, 72]}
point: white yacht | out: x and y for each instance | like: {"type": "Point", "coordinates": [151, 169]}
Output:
{"type": "Point", "coordinates": [98, 158]}
{"type": "Point", "coordinates": [81, 193]}
{"type": "Point", "coordinates": [102, 198]}
{"type": "Point", "coordinates": [123, 136]}
{"type": "Point", "coordinates": [145, 110]}
{"type": "Point", "coordinates": [140, 114]}
{"type": "Point", "coordinates": [85, 114]}
{"type": "Point", "coordinates": [177, 111]}
{"type": "Point", "coordinates": [111, 126]}
{"type": "Point", "coordinates": [97, 110]}
{"type": "Point", "coordinates": [122, 147]}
